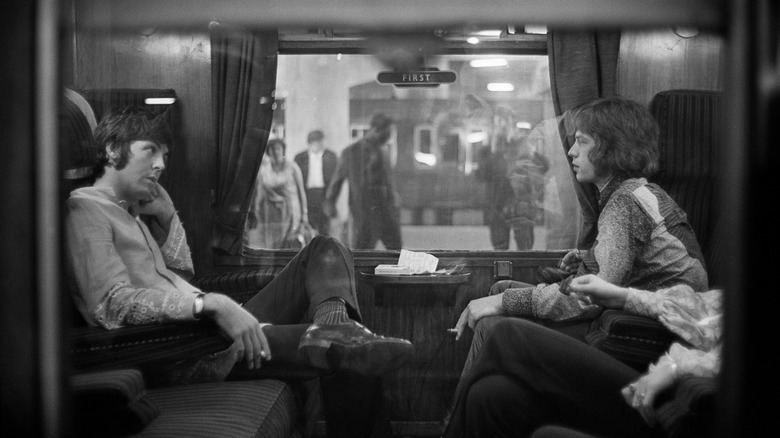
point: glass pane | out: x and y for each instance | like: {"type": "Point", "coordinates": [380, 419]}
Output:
{"type": "Point", "coordinates": [471, 164]}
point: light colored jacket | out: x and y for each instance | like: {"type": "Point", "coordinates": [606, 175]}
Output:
{"type": "Point", "coordinates": [119, 273]}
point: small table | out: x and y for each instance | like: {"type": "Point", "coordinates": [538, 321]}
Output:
{"type": "Point", "coordinates": [423, 289]}
{"type": "Point", "coordinates": [420, 308]}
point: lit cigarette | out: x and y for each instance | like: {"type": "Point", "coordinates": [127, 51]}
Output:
{"type": "Point", "coordinates": [455, 331]}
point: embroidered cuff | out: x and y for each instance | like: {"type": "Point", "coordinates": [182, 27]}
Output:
{"type": "Point", "coordinates": [643, 303]}
{"type": "Point", "coordinates": [517, 302]}
{"type": "Point", "coordinates": [176, 252]}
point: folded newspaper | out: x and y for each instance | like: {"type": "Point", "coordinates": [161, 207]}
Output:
{"type": "Point", "coordinates": [410, 263]}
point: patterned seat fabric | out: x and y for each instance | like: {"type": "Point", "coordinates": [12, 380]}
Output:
{"type": "Point", "coordinates": [252, 408]}
{"type": "Point", "coordinates": [688, 146]}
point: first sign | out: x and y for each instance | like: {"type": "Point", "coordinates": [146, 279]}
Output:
{"type": "Point", "coordinates": [420, 78]}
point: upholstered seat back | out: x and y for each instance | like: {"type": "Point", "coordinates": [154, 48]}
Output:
{"type": "Point", "coordinates": [689, 121]}
{"type": "Point", "coordinates": [77, 155]}
{"type": "Point", "coordinates": [77, 148]}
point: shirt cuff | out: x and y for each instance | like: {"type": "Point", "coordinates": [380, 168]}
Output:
{"type": "Point", "coordinates": [175, 251]}
{"type": "Point", "coordinates": [643, 303]}
{"type": "Point", "coordinates": [517, 302]}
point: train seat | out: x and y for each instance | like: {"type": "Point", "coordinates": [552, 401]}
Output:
{"type": "Point", "coordinates": [118, 403]}
{"type": "Point", "coordinates": [688, 144]}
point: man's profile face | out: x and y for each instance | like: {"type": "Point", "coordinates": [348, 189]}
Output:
{"type": "Point", "coordinates": [138, 179]}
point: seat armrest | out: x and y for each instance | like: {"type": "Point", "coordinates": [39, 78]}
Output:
{"type": "Point", "coordinates": [239, 285]}
{"type": "Point", "coordinates": [633, 339]}
{"type": "Point", "coordinates": [110, 403]}
{"type": "Point", "coordinates": [95, 348]}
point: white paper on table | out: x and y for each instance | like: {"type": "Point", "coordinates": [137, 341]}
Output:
{"type": "Point", "coordinates": [420, 262]}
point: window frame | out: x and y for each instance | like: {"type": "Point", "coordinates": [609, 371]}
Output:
{"type": "Point", "coordinates": [325, 42]}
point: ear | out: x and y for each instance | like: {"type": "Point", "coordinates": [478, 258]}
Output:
{"type": "Point", "coordinates": [110, 153]}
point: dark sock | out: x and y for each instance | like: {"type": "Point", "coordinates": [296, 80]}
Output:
{"type": "Point", "coordinates": [331, 311]}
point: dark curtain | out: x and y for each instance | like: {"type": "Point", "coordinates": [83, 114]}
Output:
{"type": "Point", "coordinates": [583, 67]}
{"type": "Point", "coordinates": [243, 71]}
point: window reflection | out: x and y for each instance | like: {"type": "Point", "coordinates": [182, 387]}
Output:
{"type": "Point", "coordinates": [476, 164]}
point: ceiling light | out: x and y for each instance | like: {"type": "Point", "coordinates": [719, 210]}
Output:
{"type": "Point", "coordinates": [473, 40]}
{"type": "Point", "coordinates": [685, 32]}
{"type": "Point", "coordinates": [489, 33]}
{"type": "Point", "coordinates": [159, 100]}
{"type": "Point", "coordinates": [491, 62]}
{"type": "Point", "coordinates": [536, 29]}
{"type": "Point", "coordinates": [500, 86]}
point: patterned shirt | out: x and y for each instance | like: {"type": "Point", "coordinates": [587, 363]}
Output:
{"type": "Point", "coordinates": [120, 273]}
{"type": "Point", "coordinates": [644, 241]}
{"type": "Point", "coordinates": [696, 318]}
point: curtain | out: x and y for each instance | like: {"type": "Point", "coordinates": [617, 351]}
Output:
{"type": "Point", "coordinates": [583, 67]}
{"type": "Point", "coordinates": [243, 72]}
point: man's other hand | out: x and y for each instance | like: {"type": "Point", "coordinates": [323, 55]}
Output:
{"type": "Point", "coordinates": [240, 326]}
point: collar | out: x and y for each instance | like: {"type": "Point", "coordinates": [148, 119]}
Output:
{"type": "Point", "coordinates": [609, 189]}
{"type": "Point", "coordinates": [102, 193]}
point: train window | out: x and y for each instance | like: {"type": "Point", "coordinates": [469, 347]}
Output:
{"type": "Point", "coordinates": [457, 173]}
{"type": "Point", "coordinates": [472, 158]}
{"type": "Point", "coordinates": [423, 146]}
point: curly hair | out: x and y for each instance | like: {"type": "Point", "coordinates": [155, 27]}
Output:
{"type": "Point", "coordinates": [626, 136]}
{"type": "Point", "coordinates": [121, 127]}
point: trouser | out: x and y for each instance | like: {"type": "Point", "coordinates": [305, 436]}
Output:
{"type": "Point", "coordinates": [527, 376]}
{"type": "Point", "coordinates": [353, 404]}
{"type": "Point", "coordinates": [315, 197]}
{"type": "Point", "coordinates": [322, 269]}
{"type": "Point", "coordinates": [575, 329]}
{"type": "Point", "coordinates": [501, 227]}
{"type": "Point", "coordinates": [382, 225]}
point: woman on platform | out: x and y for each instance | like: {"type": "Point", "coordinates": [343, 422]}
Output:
{"type": "Point", "coordinates": [278, 212]}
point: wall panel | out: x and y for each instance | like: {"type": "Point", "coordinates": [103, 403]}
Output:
{"type": "Point", "coordinates": [650, 62]}
{"type": "Point", "coordinates": [155, 59]}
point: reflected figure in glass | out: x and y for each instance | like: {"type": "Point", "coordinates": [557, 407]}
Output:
{"type": "Point", "coordinates": [374, 203]}
{"type": "Point", "coordinates": [279, 208]}
{"type": "Point", "coordinates": [317, 164]}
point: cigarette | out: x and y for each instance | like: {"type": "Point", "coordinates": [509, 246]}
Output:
{"type": "Point", "coordinates": [452, 330]}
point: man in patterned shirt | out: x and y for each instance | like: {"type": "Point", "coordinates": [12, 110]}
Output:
{"type": "Point", "coordinates": [528, 376]}
{"type": "Point", "coordinates": [644, 239]}
{"type": "Point", "coordinates": [126, 272]}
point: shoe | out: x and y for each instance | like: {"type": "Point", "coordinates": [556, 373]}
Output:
{"type": "Point", "coordinates": [353, 347]}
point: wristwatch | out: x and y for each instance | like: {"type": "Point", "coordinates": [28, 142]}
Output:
{"type": "Point", "coordinates": [197, 306]}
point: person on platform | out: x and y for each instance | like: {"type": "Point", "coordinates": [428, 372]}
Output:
{"type": "Point", "coordinates": [317, 164]}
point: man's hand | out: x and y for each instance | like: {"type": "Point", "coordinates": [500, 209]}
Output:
{"type": "Point", "coordinates": [599, 291]}
{"type": "Point", "coordinates": [158, 205]}
{"type": "Point", "coordinates": [478, 309]}
{"type": "Point", "coordinates": [642, 393]}
{"type": "Point", "coordinates": [571, 261]}
{"type": "Point", "coordinates": [240, 326]}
